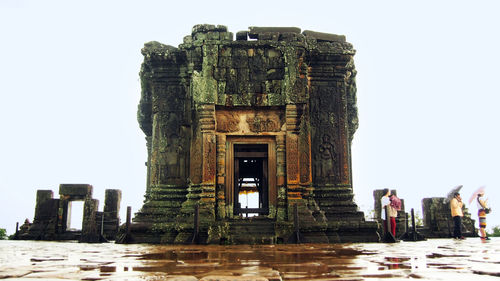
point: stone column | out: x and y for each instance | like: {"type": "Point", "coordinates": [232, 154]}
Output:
{"type": "Point", "coordinates": [165, 99]}
{"type": "Point", "coordinates": [292, 153]}
{"type": "Point", "coordinates": [209, 161]}
{"type": "Point", "coordinates": [41, 197]}
{"type": "Point", "coordinates": [203, 165]}
{"type": "Point", "coordinates": [89, 226]}
{"type": "Point", "coordinates": [207, 125]}
{"type": "Point", "coordinates": [280, 178]}
{"type": "Point", "coordinates": [304, 144]}
{"type": "Point", "coordinates": [221, 176]}
{"type": "Point", "coordinates": [111, 213]}
{"type": "Point", "coordinates": [333, 114]}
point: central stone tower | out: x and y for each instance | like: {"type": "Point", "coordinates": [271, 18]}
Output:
{"type": "Point", "coordinates": [255, 134]}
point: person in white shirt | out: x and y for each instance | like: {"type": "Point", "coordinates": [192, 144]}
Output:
{"type": "Point", "coordinates": [386, 201]}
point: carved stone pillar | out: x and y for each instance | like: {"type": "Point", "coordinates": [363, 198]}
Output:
{"type": "Point", "coordinates": [343, 137]}
{"type": "Point", "coordinates": [280, 177]}
{"type": "Point", "coordinates": [209, 166]}
{"type": "Point", "coordinates": [304, 143]}
{"type": "Point", "coordinates": [204, 167]}
{"type": "Point", "coordinates": [221, 176]}
{"type": "Point", "coordinates": [292, 152]}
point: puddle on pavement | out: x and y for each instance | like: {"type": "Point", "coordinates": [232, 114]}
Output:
{"type": "Point", "coordinates": [422, 260]}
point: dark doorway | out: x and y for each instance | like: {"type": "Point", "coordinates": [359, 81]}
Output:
{"type": "Point", "coordinates": [251, 194]}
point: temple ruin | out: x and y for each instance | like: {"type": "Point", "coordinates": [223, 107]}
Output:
{"type": "Point", "coordinates": [401, 221]}
{"type": "Point", "coordinates": [53, 215]}
{"type": "Point", "coordinates": [249, 140]}
{"type": "Point", "coordinates": [437, 220]}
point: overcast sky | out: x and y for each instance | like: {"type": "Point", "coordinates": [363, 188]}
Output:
{"type": "Point", "coordinates": [428, 92]}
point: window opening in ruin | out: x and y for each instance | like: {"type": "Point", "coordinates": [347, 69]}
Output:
{"type": "Point", "coordinates": [75, 216]}
{"type": "Point", "coordinates": [251, 186]}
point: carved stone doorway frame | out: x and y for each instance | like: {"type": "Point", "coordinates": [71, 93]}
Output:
{"type": "Point", "coordinates": [271, 164]}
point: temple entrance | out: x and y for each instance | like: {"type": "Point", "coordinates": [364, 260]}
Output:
{"type": "Point", "coordinates": [251, 180]}
{"type": "Point", "coordinates": [251, 176]}
{"type": "Point", "coordinates": [74, 220]}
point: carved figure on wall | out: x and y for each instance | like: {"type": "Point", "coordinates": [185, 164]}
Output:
{"type": "Point", "coordinates": [172, 156]}
{"type": "Point", "coordinates": [227, 122]}
{"type": "Point", "coordinates": [328, 158]}
{"type": "Point", "coordinates": [258, 125]}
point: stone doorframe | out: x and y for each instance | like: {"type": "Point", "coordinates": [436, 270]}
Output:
{"type": "Point", "coordinates": [271, 164]}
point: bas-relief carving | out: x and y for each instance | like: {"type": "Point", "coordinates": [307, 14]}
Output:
{"type": "Point", "coordinates": [196, 159]}
{"type": "Point", "coordinates": [305, 148]}
{"type": "Point", "coordinates": [325, 110]}
{"type": "Point", "coordinates": [209, 158]}
{"type": "Point", "coordinates": [172, 150]}
{"type": "Point", "coordinates": [326, 160]}
{"type": "Point", "coordinates": [292, 160]}
{"type": "Point", "coordinates": [245, 121]}
{"type": "Point", "coordinates": [227, 121]}
{"type": "Point", "coordinates": [259, 124]}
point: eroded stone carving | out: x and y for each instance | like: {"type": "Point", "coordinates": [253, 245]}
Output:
{"type": "Point", "coordinates": [327, 165]}
{"type": "Point", "coordinates": [258, 125]}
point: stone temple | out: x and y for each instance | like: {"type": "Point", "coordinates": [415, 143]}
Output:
{"type": "Point", "coordinates": [249, 140]}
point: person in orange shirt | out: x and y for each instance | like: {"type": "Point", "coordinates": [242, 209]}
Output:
{"type": "Point", "coordinates": [457, 214]}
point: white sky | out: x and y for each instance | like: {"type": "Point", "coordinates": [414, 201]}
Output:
{"type": "Point", "coordinates": [69, 89]}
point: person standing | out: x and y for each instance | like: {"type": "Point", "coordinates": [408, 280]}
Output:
{"type": "Point", "coordinates": [457, 214]}
{"type": "Point", "coordinates": [482, 209]}
{"type": "Point", "coordinates": [394, 207]}
{"type": "Point", "coordinates": [386, 201]}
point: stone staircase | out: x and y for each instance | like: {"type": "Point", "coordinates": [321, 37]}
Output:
{"type": "Point", "coordinates": [155, 221]}
{"type": "Point", "coordinates": [345, 222]}
{"type": "Point", "coordinates": [252, 231]}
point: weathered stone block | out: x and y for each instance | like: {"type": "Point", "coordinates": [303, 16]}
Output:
{"type": "Point", "coordinates": [112, 201]}
{"type": "Point", "coordinates": [188, 39]}
{"type": "Point", "coordinates": [320, 36]}
{"type": "Point", "coordinates": [226, 36]}
{"type": "Point", "coordinates": [76, 190]}
{"type": "Point", "coordinates": [242, 35]}
{"type": "Point", "coordinates": [254, 32]}
{"type": "Point", "coordinates": [208, 27]}
{"type": "Point", "coordinates": [89, 226]}
{"type": "Point", "coordinates": [41, 197]}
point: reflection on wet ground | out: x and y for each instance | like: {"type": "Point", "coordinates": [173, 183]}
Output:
{"type": "Point", "coordinates": [439, 259]}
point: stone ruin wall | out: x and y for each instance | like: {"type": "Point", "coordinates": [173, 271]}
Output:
{"type": "Point", "coordinates": [400, 219]}
{"type": "Point", "coordinates": [437, 220]}
{"type": "Point", "coordinates": [52, 215]}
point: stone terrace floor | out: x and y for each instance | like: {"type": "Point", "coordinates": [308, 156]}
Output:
{"type": "Point", "coordinates": [436, 259]}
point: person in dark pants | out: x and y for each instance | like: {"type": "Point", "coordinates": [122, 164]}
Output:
{"type": "Point", "coordinates": [457, 214]}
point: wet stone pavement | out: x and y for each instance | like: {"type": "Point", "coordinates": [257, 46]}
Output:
{"type": "Point", "coordinates": [437, 259]}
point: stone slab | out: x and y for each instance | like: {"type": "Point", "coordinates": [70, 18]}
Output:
{"type": "Point", "coordinates": [254, 31]}
{"type": "Point", "coordinates": [83, 190]}
{"type": "Point", "coordinates": [321, 36]}
{"type": "Point", "coordinates": [242, 35]}
{"type": "Point", "coordinates": [208, 27]}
